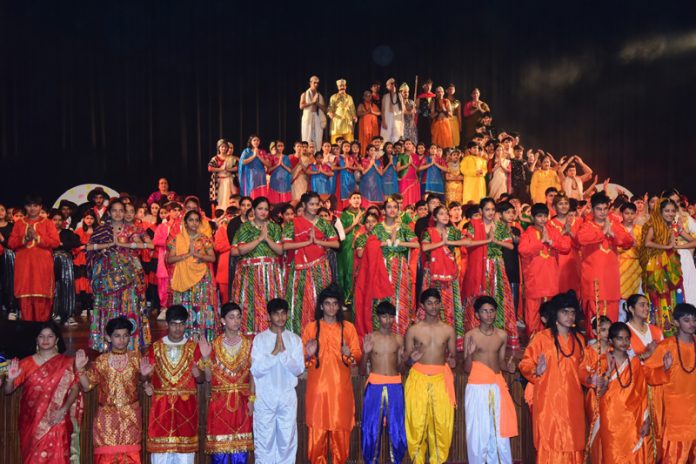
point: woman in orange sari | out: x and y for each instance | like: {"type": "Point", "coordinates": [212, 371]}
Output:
{"type": "Point", "coordinates": [47, 407]}
{"type": "Point", "coordinates": [440, 113]}
{"type": "Point", "coordinates": [368, 121]}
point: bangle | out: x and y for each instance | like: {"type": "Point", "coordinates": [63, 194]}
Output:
{"type": "Point", "coordinates": [252, 398]}
{"type": "Point", "coordinates": [396, 242]}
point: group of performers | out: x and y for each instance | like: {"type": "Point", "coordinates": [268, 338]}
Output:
{"type": "Point", "coordinates": [433, 256]}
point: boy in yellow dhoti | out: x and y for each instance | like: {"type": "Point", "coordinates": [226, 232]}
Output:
{"type": "Point", "coordinates": [429, 390]}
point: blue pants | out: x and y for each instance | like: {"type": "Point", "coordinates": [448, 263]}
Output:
{"type": "Point", "coordinates": [228, 458]}
{"type": "Point", "coordinates": [383, 401]}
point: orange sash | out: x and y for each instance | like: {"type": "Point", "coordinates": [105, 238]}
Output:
{"type": "Point", "coordinates": [483, 375]}
{"type": "Point", "coordinates": [444, 369]}
{"type": "Point", "coordinates": [379, 379]}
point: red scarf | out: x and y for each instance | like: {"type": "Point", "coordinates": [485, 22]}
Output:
{"type": "Point", "coordinates": [473, 282]}
{"type": "Point", "coordinates": [443, 267]}
{"type": "Point", "coordinates": [371, 283]}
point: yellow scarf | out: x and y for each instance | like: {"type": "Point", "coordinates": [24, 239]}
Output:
{"type": "Point", "coordinates": [662, 234]}
{"type": "Point", "coordinates": [188, 272]}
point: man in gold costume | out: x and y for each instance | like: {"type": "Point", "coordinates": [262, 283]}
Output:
{"type": "Point", "coordinates": [342, 112]}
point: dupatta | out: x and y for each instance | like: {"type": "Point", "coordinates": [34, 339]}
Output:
{"type": "Point", "coordinates": [443, 266]}
{"type": "Point", "coordinates": [188, 272]}
{"type": "Point", "coordinates": [371, 283]}
{"type": "Point", "coordinates": [473, 283]}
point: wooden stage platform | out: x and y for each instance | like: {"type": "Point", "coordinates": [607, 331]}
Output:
{"type": "Point", "coordinates": [76, 337]}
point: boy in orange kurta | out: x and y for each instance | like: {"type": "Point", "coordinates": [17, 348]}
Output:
{"type": "Point", "coordinates": [673, 365]}
{"type": "Point", "coordinates": [332, 347]}
{"type": "Point", "coordinates": [539, 248]}
{"type": "Point", "coordinates": [599, 239]}
{"type": "Point", "coordinates": [557, 363]}
{"type": "Point", "coordinates": [33, 240]}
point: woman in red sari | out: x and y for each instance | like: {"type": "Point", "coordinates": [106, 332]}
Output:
{"type": "Point", "coordinates": [47, 406]}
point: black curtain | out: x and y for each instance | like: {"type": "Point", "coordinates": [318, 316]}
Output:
{"type": "Point", "coordinates": [125, 92]}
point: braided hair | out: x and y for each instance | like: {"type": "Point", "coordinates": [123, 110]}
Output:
{"type": "Point", "coordinates": [332, 291]}
{"type": "Point", "coordinates": [557, 303]}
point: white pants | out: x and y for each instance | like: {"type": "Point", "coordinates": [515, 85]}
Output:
{"type": "Point", "coordinates": [275, 427]}
{"type": "Point", "coordinates": [483, 441]}
{"type": "Point", "coordinates": [173, 458]}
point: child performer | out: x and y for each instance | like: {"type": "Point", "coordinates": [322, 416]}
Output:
{"type": "Point", "coordinates": [429, 390]}
{"type": "Point", "coordinates": [630, 272]}
{"type": "Point", "coordinates": [117, 427]}
{"type": "Point", "coordinates": [600, 345]}
{"type": "Point", "coordinates": [491, 418]}
{"type": "Point", "coordinates": [331, 348]}
{"type": "Point", "coordinates": [679, 383]}
{"type": "Point", "coordinates": [557, 364]}
{"type": "Point", "coordinates": [228, 432]}
{"type": "Point", "coordinates": [384, 393]}
{"type": "Point", "coordinates": [623, 406]}
{"type": "Point", "coordinates": [172, 432]}
{"type": "Point", "coordinates": [276, 362]}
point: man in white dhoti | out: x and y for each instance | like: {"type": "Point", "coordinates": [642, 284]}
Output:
{"type": "Point", "coordinates": [490, 413]}
{"type": "Point", "coordinates": [392, 114]}
{"type": "Point", "coordinates": [313, 109]}
{"type": "Point", "coordinates": [277, 359]}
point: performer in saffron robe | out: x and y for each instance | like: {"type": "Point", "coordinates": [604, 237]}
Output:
{"type": "Point", "coordinates": [568, 264]}
{"type": "Point", "coordinates": [407, 171]}
{"type": "Point", "coordinates": [473, 168]}
{"type": "Point", "coordinates": [371, 186]}
{"type": "Point", "coordinates": [117, 279]}
{"type": "Point", "coordinates": [384, 393]}
{"type": "Point", "coordinates": [491, 418]}
{"type": "Point", "coordinates": [429, 390]}
{"type": "Point", "coordinates": [308, 236]}
{"type": "Point", "coordinates": [277, 359]}
{"type": "Point", "coordinates": [117, 429]}
{"type": "Point", "coordinates": [351, 219]}
{"type": "Point", "coordinates": [659, 259]}
{"type": "Point", "coordinates": [368, 125]}
{"type": "Point", "coordinates": [599, 239]}
{"type": "Point", "coordinates": [623, 405]}
{"type": "Point", "coordinates": [48, 407]}
{"type": "Point", "coordinates": [280, 183]}
{"type": "Point", "coordinates": [331, 348]}
{"type": "Point", "coordinates": [192, 281]}
{"type": "Point", "coordinates": [539, 248]}
{"type": "Point", "coordinates": [258, 275]}
{"type": "Point", "coordinates": [485, 272]}
{"type": "Point", "coordinates": [172, 431]}
{"type": "Point", "coordinates": [228, 431]}
{"type": "Point", "coordinates": [394, 246]}
{"type": "Point", "coordinates": [252, 169]}
{"type": "Point", "coordinates": [313, 117]}
{"type": "Point", "coordinates": [440, 113]}
{"type": "Point", "coordinates": [33, 239]}
{"type": "Point", "coordinates": [672, 365]}
{"type": "Point", "coordinates": [341, 111]}
{"type": "Point", "coordinates": [557, 364]}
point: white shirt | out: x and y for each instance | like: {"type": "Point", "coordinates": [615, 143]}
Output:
{"type": "Point", "coordinates": [276, 372]}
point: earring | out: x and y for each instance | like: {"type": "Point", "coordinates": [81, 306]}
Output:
{"type": "Point", "coordinates": [55, 348]}
{"type": "Point", "coordinates": [37, 347]}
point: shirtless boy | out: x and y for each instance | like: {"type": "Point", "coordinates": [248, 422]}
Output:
{"type": "Point", "coordinates": [384, 393]}
{"type": "Point", "coordinates": [429, 389]}
{"type": "Point", "coordinates": [488, 426]}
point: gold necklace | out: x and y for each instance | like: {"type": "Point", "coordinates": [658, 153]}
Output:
{"type": "Point", "coordinates": [487, 334]}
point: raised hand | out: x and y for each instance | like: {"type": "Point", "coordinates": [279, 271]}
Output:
{"type": "Point", "coordinates": [191, 249]}
{"type": "Point", "coordinates": [312, 238]}
{"type": "Point", "coordinates": [491, 233]}
{"type": "Point", "coordinates": [667, 360]}
{"type": "Point", "coordinates": [650, 349]}
{"type": "Point", "coordinates": [611, 364]}
{"type": "Point", "coordinates": [368, 344]}
{"type": "Point", "coordinates": [393, 234]}
{"type": "Point", "coordinates": [541, 365]}
{"type": "Point", "coordinates": [545, 235]}
{"type": "Point", "coordinates": [311, 347]}
{"type": "Point", "coordinates": [81, 360]}
{"type": "Point", "coordinates": [205, 347]}
{"type": "Point", "coordinates": [146, 368]}
{"type": "Point", "coordinates": [14, 371]}
{"type": "Point", "coordinates": [279, 346]}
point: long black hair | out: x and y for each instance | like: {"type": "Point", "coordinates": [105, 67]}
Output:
{"type": "Point", "coordinates": [557, 303]}
{"type": "Point", "coordinates": [332, 291]}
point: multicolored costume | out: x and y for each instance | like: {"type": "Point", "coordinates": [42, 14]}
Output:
{"type": "Point", "coordinates": [257, 277]}
{"type": "Point", "coordinates": [629, 265]}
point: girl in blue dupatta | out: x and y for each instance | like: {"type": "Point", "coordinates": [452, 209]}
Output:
{"type": "Point", "coordinates": [320, 175]}
{"type": "Point", "coordinates": [280, 185]}
{"type": "Point", "coordinates": [252, 169]}
{"type": "Point", "coordinates": [434, 167]}
{"type": "Point", "coordinates": [390, 180]}
{"type": "Point", "coordinates": [371, 180]}
{"type": "Point", "coordinates": [346, 165]}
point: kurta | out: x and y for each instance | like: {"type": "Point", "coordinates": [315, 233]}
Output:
{"type": "Point", "coordinates": [568, 264]}
{"type": "Point", "coordinates": [173, 423]}
{"type": "Point", "coordinates": [34, 260]}
{"type": "Point", "coordinates": [392, 117]}
{"type": "Point", "coordinates": [622, 410]}
{"type": "Point", "coordinates": [329, 402]}
{"type": "Point", "coordinates": [275, 409]}
{"type": "Point", "coordinates": [541, 180]}
{"type": "Point", "coordinates": [473, 168]}
{"type": "Point", "coordinates": [679, 436]}
{"type": "Point", "coordinates": [558, 418]}
{"type": "Point", "coordinates": [313, 118]}
{"type": "Point", "coordinates": [117, 427]}
{"type": "Point", "coordinates": [600, 263]}
{"type": "Point", "coordinates": [228, 429]}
